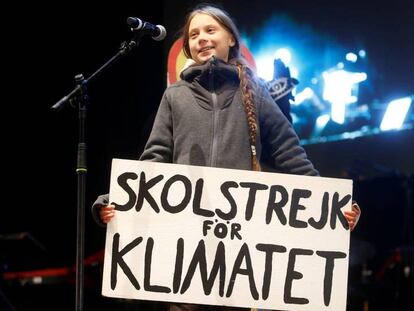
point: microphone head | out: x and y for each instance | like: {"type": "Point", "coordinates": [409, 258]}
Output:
{"type": "Point", "coordinates": [162, 34]}
{"type": "Point", "coordinates": [134, 22]}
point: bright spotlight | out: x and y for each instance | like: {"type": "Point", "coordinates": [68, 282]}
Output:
{"type": "Point", "coordinates": [320, 124]}
{"type": "Point", "coordinates": [395, 114]}
{"type": "Point", "coordinates": [362, 53]}
{"type": "Point", "coordinates": [338, 89]}
{"type": "Point", "coordinates": [284, 55]}
{"type": "Point", "coordinates": [307, 93]}
{"type": "Point", "coordinates": [351, 57]}
{"type": "Point", "coordinates": [264, 65]}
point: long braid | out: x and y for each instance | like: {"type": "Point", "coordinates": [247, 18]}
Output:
{"type": "Point", "coordinates": [247, 88]}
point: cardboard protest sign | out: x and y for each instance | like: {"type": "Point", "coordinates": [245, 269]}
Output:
{"type": "Point", "coordinates": [227, 237]}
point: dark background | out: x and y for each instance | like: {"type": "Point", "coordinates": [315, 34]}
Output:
{"type": "Point", "coordinates": [50, 44]}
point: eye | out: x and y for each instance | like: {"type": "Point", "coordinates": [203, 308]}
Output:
{"type": "Point", "coordinates": [193, 35]}
{"type": "Point", "coordinates": [210, 30]}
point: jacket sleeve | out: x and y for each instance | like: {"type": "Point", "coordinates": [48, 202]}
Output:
{"type": "Point", "coordinates": [159, 147]}
{"type": "Point", "coordinates": [280, 139]}
{"type": "Point", "coordinates": [101, 200]}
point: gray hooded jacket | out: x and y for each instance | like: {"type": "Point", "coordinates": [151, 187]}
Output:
{"type": "Point", "coordinates": [201, 121]}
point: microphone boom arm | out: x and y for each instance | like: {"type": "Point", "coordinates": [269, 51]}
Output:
{"type": "Point", "coordinates": [78, 98]}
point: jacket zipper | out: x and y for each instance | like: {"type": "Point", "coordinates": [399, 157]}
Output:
{"type": "Point", "coordinates": [213, 157]}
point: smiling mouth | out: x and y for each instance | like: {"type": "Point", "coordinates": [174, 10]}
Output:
{"type": "Point", "coordinates": [205, 49]}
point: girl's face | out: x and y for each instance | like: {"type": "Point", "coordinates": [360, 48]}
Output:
{"type": "Point", "coordinates": [208, 38]}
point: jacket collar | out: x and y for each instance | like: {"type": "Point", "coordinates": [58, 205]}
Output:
{"type": "Point", "coordinates": [216, 69]}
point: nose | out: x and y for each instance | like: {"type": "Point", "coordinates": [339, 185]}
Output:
{"type": "Point", "coordinates": [202, 38]}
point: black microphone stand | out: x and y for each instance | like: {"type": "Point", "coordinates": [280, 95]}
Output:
{"type": "Point", "coordinates": [78, 97]}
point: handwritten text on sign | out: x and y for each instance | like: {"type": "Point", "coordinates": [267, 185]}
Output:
{"type": "Point", "coordinates": [227, 237]}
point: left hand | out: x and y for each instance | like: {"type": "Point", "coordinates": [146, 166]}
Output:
{"type": "Point", "coordinates": [353, 216]}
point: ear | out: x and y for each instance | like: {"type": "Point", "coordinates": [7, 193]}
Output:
{"type": "Point", "coordinates": [232, 42]}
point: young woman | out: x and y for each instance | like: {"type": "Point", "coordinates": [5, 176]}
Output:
{"type": "Point", "coordinates": [220, 115]}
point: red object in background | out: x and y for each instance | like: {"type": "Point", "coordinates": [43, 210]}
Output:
{"type": "Point", "coordinates": [52, 275]}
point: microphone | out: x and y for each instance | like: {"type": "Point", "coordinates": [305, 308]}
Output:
{"type": "Point", "coordinates": [157, 32]}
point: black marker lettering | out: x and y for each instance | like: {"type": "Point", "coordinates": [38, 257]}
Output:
{"type": "Point", "coordinates": [329, 267]}
{"type": "Point", "coordinates": [187, 194]}
{"type": "Point", "coordinates": [143, 193]}
{"type": "Point", "coordinates": [252, 196]}
{"type": "Point", "coordinates": [337, 212]}
{"type": "Point", "coordinates": [244, 254]}
{"type": "Point", "coordinates": [269, 249]}
{"type": "Point", "coordinates": [324, 214]}
{"type": "Point", "coordinates": [291, 275]}
{"type": "Point", "coordinates": [147, 271]}
{"type": "Point", "coordinates": [297, 194]}
{"type": "Point", "coordinates": [198, 192]}
{"type": "Point", "coordinates": [233, 207]}
{"type": "Point", "coordinates": [118, 260]}
{"type": "Point", "coordinates": [272, 206]}
{"type": "Point", "coordinates": [123, 183]}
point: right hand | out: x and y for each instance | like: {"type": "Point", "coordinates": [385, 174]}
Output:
{"type": "Point", "coordinates": [106, 213]}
